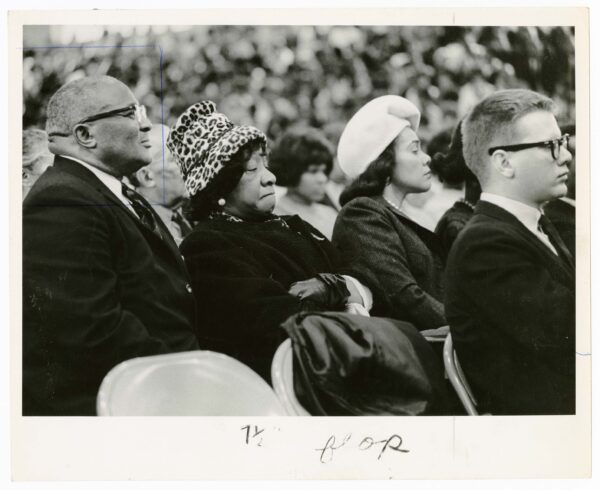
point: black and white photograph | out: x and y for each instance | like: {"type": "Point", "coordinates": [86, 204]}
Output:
{"type": "Point", "coordinates": [298, 223]}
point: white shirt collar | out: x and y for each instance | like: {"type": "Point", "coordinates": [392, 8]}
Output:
{"type": "Point", "coordinates": [528, 215]}
{"type": "Point", "coordinates": [108, 180]}
{"type": "Point", "coordinates": [568, 200]}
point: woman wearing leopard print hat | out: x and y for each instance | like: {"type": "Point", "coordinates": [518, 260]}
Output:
{"type": "Point", "coordinates": [250, 269]}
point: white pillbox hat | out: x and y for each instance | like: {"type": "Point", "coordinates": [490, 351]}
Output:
{"type": "Point", "coordinates": [372, 129]}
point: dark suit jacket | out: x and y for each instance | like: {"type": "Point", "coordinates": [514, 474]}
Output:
{"type": "Point", "coordinates": [98, 288]}
{"type": "Point", "coordinates": [396, 258]}
{"type": "Point", "coordinates": [562, 215]}
{"type": "Point", "coordinates": [510, 303]}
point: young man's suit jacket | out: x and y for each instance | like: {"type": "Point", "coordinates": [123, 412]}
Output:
{"type": "Point", "coordinates": [510, 302]}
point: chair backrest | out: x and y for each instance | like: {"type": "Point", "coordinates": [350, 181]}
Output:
{"type": "Point", "coordinates": [457, 378]}
{"type": "Point", "coordinates": [282, 378]}
{"type": "Point", "coordinates": [186, 383]}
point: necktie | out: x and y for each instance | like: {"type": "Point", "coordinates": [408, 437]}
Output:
{"type": "Point", "coordinates": [141, 208]}
{"type": "Point", "coordinates": [548, 228]}
{"type": "Point", "coordinates": [181, 222]}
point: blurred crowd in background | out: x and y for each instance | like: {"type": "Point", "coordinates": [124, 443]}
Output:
{"type": "Point", "coordinates": [276, 76]}
{"type": "Point", "coordinates": [301, 85]}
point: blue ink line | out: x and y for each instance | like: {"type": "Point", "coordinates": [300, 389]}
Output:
{"type": "Point", "coordinates": [80, 46]}
{"type": "Point", "coordinates": [583, 353]}
{"type": "Point", "coordinates": [91, 205]}
{"type": "Point", "coordinates": [82, 205]}
{"type": "Point", "coordinates": [162, 122]}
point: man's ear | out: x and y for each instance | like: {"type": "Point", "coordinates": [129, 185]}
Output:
{"type": "Point", "coordinates": [84, 136]}
{"type": "Point", "coordinates": [502, 164]}
{"type": "Point", "coordinates": [145, 177]}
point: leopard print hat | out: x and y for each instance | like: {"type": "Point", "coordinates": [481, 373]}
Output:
{"type": "Point", "coordinates": [203, 141]}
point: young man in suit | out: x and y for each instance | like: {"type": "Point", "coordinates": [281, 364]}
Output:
{"type": "Point", "coordinates": [510, 296]}
{"type": "Point", "coordinates": [103, 281]}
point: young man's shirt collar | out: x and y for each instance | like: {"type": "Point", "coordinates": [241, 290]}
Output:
{"type": "Point", "coordinates": [527, 215]}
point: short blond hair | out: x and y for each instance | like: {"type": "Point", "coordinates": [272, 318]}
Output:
{"type": "Point", "coordinates": [491, 122]}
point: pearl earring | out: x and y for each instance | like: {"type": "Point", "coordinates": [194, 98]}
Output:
{"type": "Point", "coordinates": [221, 202]}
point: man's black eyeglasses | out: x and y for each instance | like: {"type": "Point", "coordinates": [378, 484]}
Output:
{"type": "Point", "coordinates": [554, 146]}
{"type": "Point", "coordinates": [137, 110]}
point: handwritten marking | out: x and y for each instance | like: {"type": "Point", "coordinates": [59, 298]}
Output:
{"type": "Point", "coordinates": [367, 439]}
{"type": "Point", "coordinates": [330, 447]}
{"type": "Point", "coordinates": [583, 353]}
{"type": "Point", "coordinates": [257, 432]}
{"type": "Point", "coordinates": [393, 443]}
{"type": "Point", "coordinates": [388, 444]}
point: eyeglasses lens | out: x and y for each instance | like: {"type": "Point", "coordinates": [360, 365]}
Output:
{"type": "Point", "coordinates": [557, 143]}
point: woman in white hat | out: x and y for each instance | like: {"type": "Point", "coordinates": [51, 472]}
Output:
{"type": "Point", "coordinates": [250, 269]}
{"type": "Point", "coordinates": [399, 260]}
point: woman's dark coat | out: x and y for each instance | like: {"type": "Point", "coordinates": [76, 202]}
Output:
{"type": "Point", "coordinates": [451, 223]}
{"type": "Point", "coordinates": [241, 273]}
{"type": "Point", "coordinates": [399, 260]}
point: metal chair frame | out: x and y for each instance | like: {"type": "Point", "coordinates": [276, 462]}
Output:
{"type": "Point", "coordinates": [457, 378]}
{"type": "Point", "coordinates": [282, 379]}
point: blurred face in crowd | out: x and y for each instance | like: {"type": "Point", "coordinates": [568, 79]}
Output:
{"type": "Point", "coordinates": [33, 170]}
{"type": "Point", "coordinates": [122, 142]}
{"type": "Point", "coordinates": [170, 186]}
{"type": "Point", "coordinates": [337, 175]}
{"type": "Point", "coordinates": [411, 172]}
{"type": "Point", "coordinates": [311, 186]}
{"type": "Point", "coordinates": [36, 157]}
{"type": "Point", "coordinates": [161, 182]}
{"type": "Point", "coordinates": [537, 176]}
{"type": "Point", "coordinates": [254, 196]}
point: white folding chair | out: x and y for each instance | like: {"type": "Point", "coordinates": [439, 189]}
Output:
{"type": "Point", "coordinates": [282, 378]}
{"type": "Point", "coordinates": [186, 383]}
{"type": "Point", "coordinates": [457, 378]}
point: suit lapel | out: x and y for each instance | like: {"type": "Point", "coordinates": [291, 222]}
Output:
{"type": "Point", "coordinates": [558, 243]}
{"type": "Point", "coordinates": [83, 173]}
{"type": "Point", "coordinates": [554, 261]}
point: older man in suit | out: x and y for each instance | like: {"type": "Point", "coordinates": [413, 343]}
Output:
{"type": "Point", "coordinates": [103, 280]}
{"type": "Point", "coordinates": [510, 297]}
